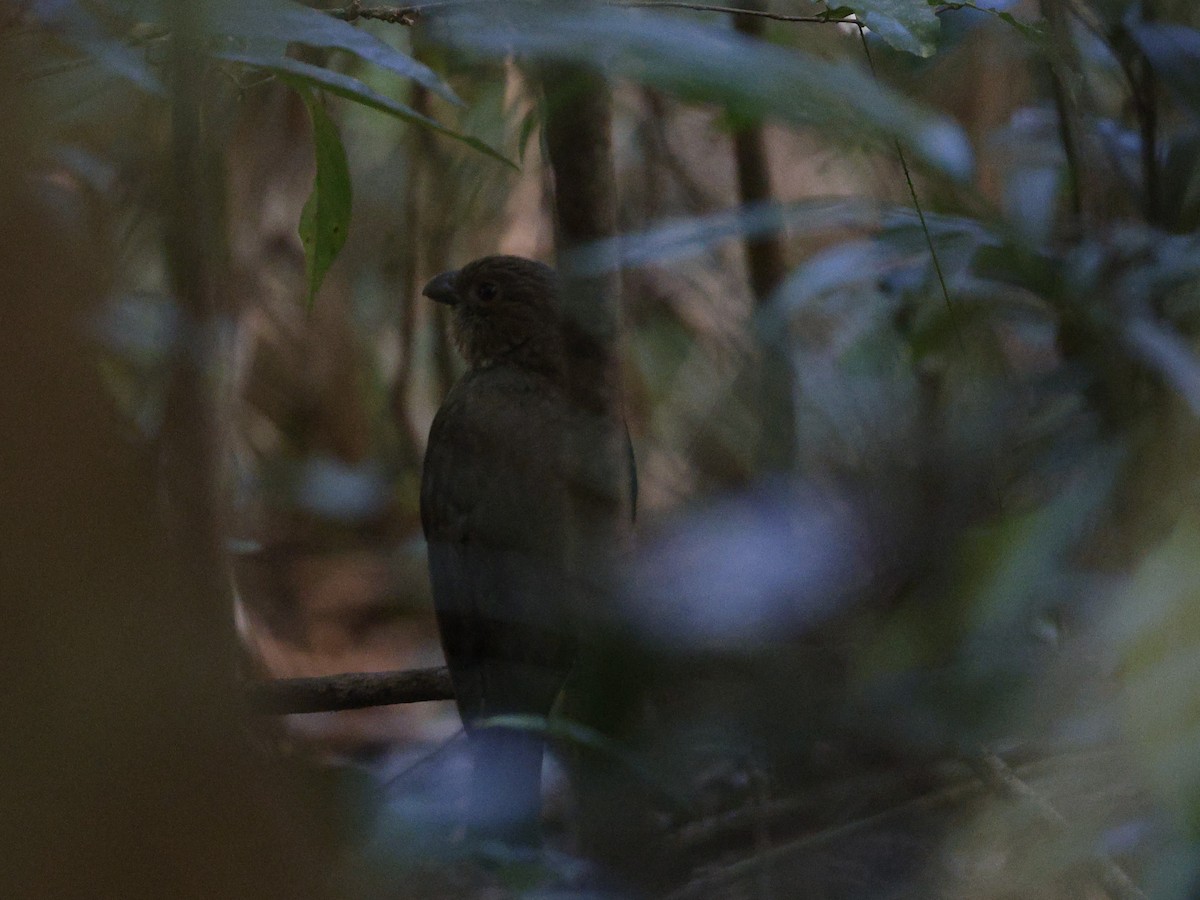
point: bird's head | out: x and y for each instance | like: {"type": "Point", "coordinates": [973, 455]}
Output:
{"type": "Point", "coordinates": [506, 309]}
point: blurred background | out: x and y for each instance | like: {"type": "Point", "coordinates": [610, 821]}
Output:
{"type": "Point", "coordinates": [909, 305]}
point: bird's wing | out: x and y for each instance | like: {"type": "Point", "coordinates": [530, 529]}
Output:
{"type": "Point", "coordinates": [493, 505]}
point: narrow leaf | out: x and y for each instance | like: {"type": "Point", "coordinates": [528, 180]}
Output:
{"type": "Point", "coordinates": [78, 27]}
{"type": "Point", "coordinates": [326, 216]}
{"type": "Point", "coordinates": [708, 63]}
{"type": "Point", "coordinates": [297, 72]}
{"type": "Point", "coordinates": [674, 239]}
{"type": "Point", "coordinates": [1033, 31]}
{"type": "Point", "coordinates": [908, 25]}
{"type": "Point", "coordinates": [282, 20]}
{"type": "Point", "coordinates": [1168, 354]}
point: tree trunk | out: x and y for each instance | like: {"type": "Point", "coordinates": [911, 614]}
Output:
{"type": "Point", "coordinates": [766, 266]}
{"type": "Point", "coordinates": [127, 772]}
{"type": "Point", "coordinates": [615, 825]}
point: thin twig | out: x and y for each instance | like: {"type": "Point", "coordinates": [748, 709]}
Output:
{"type": "Point", "coordinates": [1060, 60]}
{"type": "Point", "coordinates": [750, 866]}
{"type": "Point", "coordinates": [1145, 104]}
{"type": "Point", "coordinates": [396, 15]}
{"type": "Point", "coordinates": [996, 774]}
{"type": "Point", "coordinates": [757, 13]}
{"type": "Point", "coordinates": [912, 192]}
{"type": "Point", "coordinates": [353, 690]}
{"type": "Point", "coordinates": [957, 792]}
{"type": "Point", "coordinates": [410, 15]}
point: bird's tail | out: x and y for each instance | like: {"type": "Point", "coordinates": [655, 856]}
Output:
{"type": "Point", "coordinates": [506, 785]}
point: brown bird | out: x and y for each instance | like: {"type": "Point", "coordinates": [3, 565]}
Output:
{"type": "Point", "coordinates": [495, 506]}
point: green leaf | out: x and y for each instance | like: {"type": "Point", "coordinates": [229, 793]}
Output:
{"type": "Point", "coordinates": [529, 125]}
{"type": "Point", "coordinates": [280, 22]}
{"type": "Point", "coordinates": [1030, 30]}
{"type": "Point", "coordinates": [710, 63]}
{"type": "Point", "coordinates": [326, 216]}
{"type": "Point", "coordinates": [1034, 32]}
{"type": "Point", "coordinates": [908, 25]}
{"type": "Point", "coordinates": [298, 73]}
{"type": "Point", "coordinates": [80, 28]}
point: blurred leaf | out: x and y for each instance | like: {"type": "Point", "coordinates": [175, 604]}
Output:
{"type": "Point", "coordinates": [681, 238]}
{"type": "Point", "coordinates": [775, 560]}
{"type": "Point", "coordinates": [529, 125]}
{"type": "Point", "coordinates": [1174, 52]}
{"type": "Point", "coordinates": [1000, 576]}
{"type": "Point", "coordinates": [1034, 32]}
{"type": "Point", "coordinates": [1168, 354]}
{"type": "Point", "coordinates": [1014, 568]}
{"type": "Point", "coordinates": [1019, 267]}
{"type": "Point", "coordinates": [941, 331]}
{"type": "Point", "coordinates": [1030, 194]}
{"type": "Point", "coordinates": [282, 22]}
{"type": "Point", "coordinates": [79, 27]}
{"type": "Point", "coordinates": [708, 63]}
{"type": "Point", "coordinates": [325, 219]}
{"type": "Point", "coordinates": [1155, 630]}
{"type": "Point", "coordinates": [908, 25]}
{"type": "Point", "coordinates": [897, 218]}
{"type": "Point", "coordinates": [835, 270]}
{"type": "Point", "coordinates": [295, 71]}
{"type": "Point", "coordinates": [580, 735]}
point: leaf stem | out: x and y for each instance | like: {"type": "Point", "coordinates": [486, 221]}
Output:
{"type": "Point", "coordinates": [912, 192]}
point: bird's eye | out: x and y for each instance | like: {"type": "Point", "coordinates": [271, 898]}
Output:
{"type": "Point", "coordinates": [486, 291]}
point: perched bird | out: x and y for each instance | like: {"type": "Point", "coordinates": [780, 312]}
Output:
{"type": "Point", "coordinates": [495, 506]}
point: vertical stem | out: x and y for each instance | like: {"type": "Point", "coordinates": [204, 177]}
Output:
{"type": "Point", "coordinates": [410, 290]}
{"type": "Point", "coordinates": [578, 132]}
{"type": "Point", "coordinates": [615, 825]}
{"type": "Point", "coordinates": [1064, 59]}
{"type": "Point", "coordinates": [951, 312]}
{"type": "Point", "coordinates": [189, 434]}
{"type": "Point", "coordinates": [766, 266]}
{"type": "Point", "coordinates": [764, 255]}
{"type": "Point", "coordinates": [1144, 88]}
{"type": "Point", "coordinates": [1147, 111]}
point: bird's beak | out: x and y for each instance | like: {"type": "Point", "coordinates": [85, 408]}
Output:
{"type": "Point", "coordinates": [441, 288]}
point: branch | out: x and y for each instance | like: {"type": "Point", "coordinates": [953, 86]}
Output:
{"type": "Point", "coordinates": [1063, 58]}
{"type": "Point", "coordinates": [354, 690]}
{"type": "Point", "coordinates": [991, 772]}
{"type": "Point", "coordinates": [410, 15]}
{"type": "Point", "coordinates": [996, 774]}
{"type": "Point", "coordinates": [396, 15]}
{"type": "Point", "coordinates": [730, 874]}
{"type": "Point", "coordinates": [757, 13]}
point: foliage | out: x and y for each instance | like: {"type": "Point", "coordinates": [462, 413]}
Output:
{"type": "Point", "coordinates": [326, 216]}
{"type": "Point", "coordinates": [989, 529]}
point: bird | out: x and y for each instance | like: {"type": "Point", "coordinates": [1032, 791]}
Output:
{"type": "Point", "coordinates": [500, 467]}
